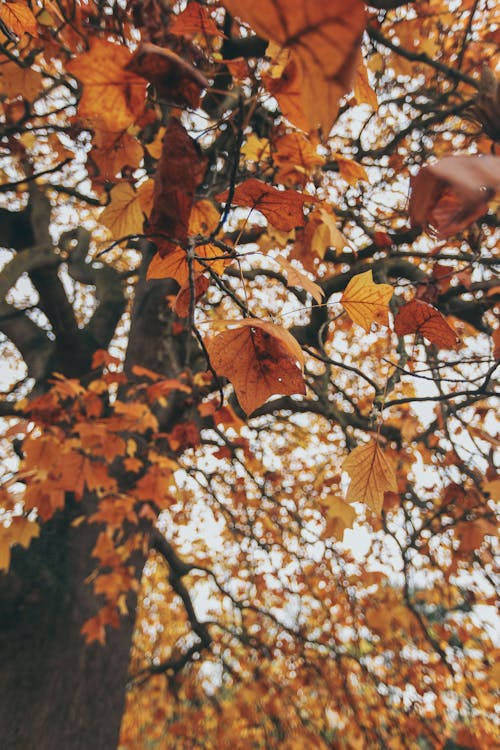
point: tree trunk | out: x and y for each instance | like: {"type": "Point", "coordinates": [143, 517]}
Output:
{"type": "Point", "coordinates": [56, 692]}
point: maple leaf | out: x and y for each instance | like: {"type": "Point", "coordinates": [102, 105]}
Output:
{"type": "Point", "coordinates": [260, 359]}
{"type": "Point", "coordinates": [282, 208]}
{"type": "Point", "coordinates": [339, 517]}
{"type": "Point", "coordinates": [324, 39]}
{"type": "Point", "coordinates": [102, 71]}
{"type": "Point", "coordinates": [366, 302]}
{"type": "Point", "coordinates": [372, 473]}
{"type": "Point", "coordinates": [18, 18]}
{"type": "Point", "coordinates": [421, 318]}
{"type": "Point", "coordinates": [174, 78]}
{"type": "Point", "coordinates": [452, 193]}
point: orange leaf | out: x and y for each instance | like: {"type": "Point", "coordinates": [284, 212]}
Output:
{"type": "Point", "coordinates": [324, 39]}
{"type": "Point", "coordinates": [448, 196]}
{"type": "Point", "coordinates": [350, 170]}
{"type": "Point", "coordinates": [174, 78]}
{"type": "Point", "coordinates": [18, 18]}
{"type": "Point", "coordinates": [371, 473]}
{"type": "Point", "coordinates": [420, 318]}
{"type": "Point", "coordinates": [175, 264]}
{"type": "Point", "coordinates": [182, 303]}
{"type": "Point", "coordinates": [102, 71]}
{"type": "Point", "coordinates": [282, 208]}
{"type": "Point", "coordinates": [366, 302]}
{"type": "Point", "coordinates": [195, 19]}
{"type": "Point", "coordinates": [363, 92]}
{"type": "Point", "coordinates": [260, 359]}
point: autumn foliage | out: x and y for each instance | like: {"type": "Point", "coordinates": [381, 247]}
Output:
{"type": "Point", "coordinates": [251, 329]}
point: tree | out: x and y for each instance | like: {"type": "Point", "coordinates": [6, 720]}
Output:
{"type": "Point", "coordinates": [231, 336]}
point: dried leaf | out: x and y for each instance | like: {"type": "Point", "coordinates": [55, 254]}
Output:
{"type": "Point", "coordinates": [452, 193]}
{"type": "Point", "coordinates": [102, 71]}
{"type": "Point", "coordinates": [366, 302]}
{"type": "Point", "coordinates": [372, 473]}
{"type": "Point", "coordinates": [420, 318]}
{"type": "Point", "coordinates": [282, 208]}
{"type": "Point", "coordinates": [324, 39]}
{"type": "Point", "coordinates": [180, 170]}
{"type": "Point", "coordinates": [260, 359]}
{"type": "Point", "coordinates": [175, 79]}
{"type": "Point", "coordinates": [350, 171]}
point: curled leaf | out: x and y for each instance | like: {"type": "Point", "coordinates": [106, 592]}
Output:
{"type": "Point", "coordinates": [260, 359]}
{"type": "Point", "coordinates": [452, 193]}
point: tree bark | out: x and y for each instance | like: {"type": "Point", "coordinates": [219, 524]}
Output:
{"type": "Point", "coordinates": [56, 692]}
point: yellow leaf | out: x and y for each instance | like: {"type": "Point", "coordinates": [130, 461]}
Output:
{"type": "Point", "coordinates": [366, 302]}
{"type": "Point", "coordinates": [123, 215]}
{"type": "Point", "coordinates": [371, 473]}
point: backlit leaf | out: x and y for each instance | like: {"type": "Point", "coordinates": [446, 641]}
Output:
{"type": "Point", "coordinates": [123, 215]}
{"type": "Point", "coordinates": [372, 473]}
{"type": "Point", "coordinates": [324, 39]}
{"type": "Point", "coordinates": [366, 302]}
{"type": "Point", "coordinates": [282, 208]}
{"type": "Point", "coordinates": [260, 359]}
{"type": "Point", "coordinates": [111, 94]}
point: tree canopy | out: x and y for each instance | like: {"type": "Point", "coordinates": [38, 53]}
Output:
{"type": "Point", "coordinates": [251, 338]}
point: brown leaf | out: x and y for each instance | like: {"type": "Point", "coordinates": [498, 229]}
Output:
{"type": "Point", "coordinates": [180, 170]}
{"type": "Point", "coordinates": [371, 473]}
{"type": "Point", "coordinates": [260, 359]}
{"type": "Point", "coordinates": [182, 302]}
{"type": "Point", "coordinates": [420, 318]}
{"type": "Point", "coordinates": [282, 208]}
{"type": "Point", "coordinates": [174, 78]}
{"type": "Point", "coordinates": [324, 39]}
{"type": "Point", "coordinates": [452, 193]}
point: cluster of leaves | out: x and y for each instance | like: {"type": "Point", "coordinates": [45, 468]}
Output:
{"type": "Point", "coordinates": [265, 151]}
